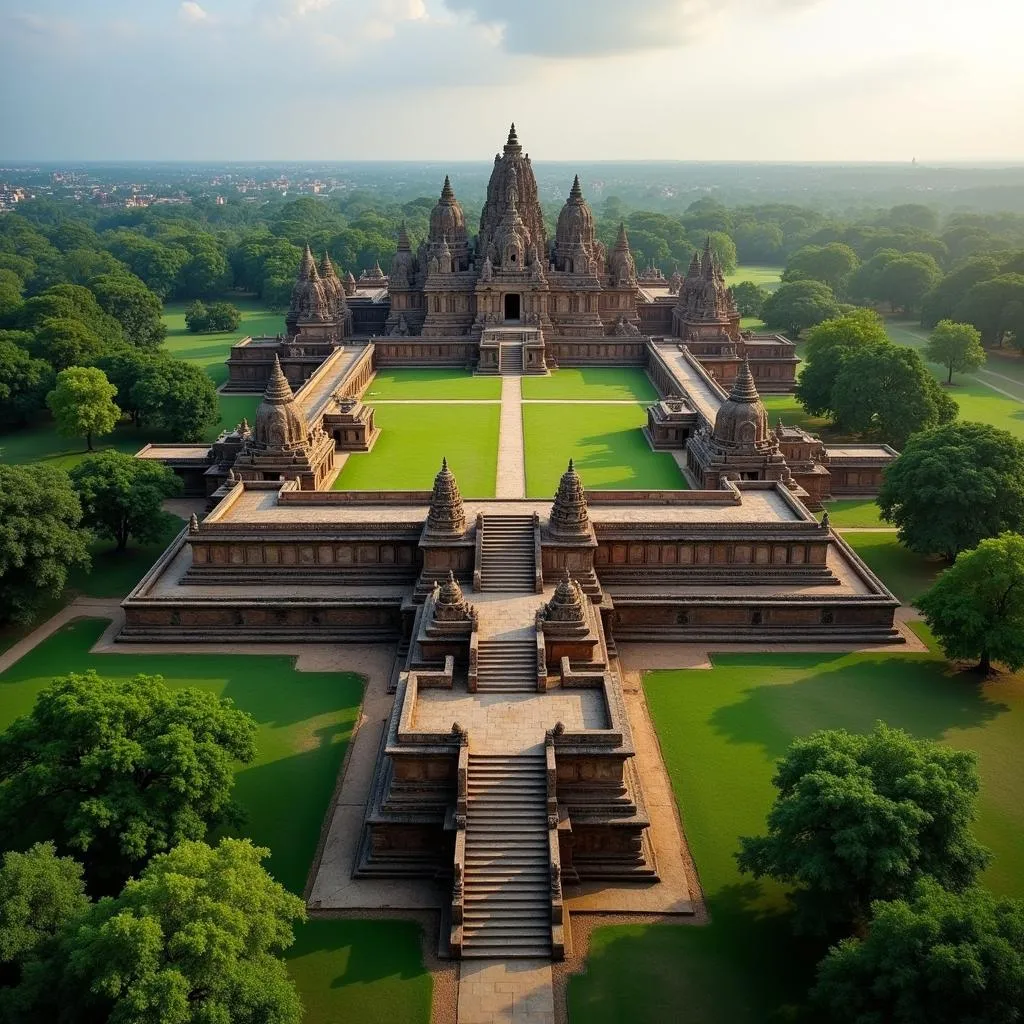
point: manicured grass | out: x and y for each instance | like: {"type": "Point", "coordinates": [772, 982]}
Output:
{"type": "Point", "coordinates": [437, 384]}
{"type": "Point", "coordinates": [232, 409]}
{"type": "Point", "coordinates": [606, 443]}
{"type": "Point", "coordinates": [347, 970]}
{"type": "Point", "coordinates": [767, 277]}
{"type": "Point", "coordinates": [413, 440]}
{"type": "Point", "coordinates": [210, 350]}
{"type": "Point", "coordinates": [721, 733]}
{"type": "Point", "coordinates": [854, 512]}
{"type": "Point", "coordinates": [41, 443]}
{"type": "Point", "coordinates": [792, 414]}
{"type": "Point", "coordinates": [907, 575]}
{"type": "Point", "coordinates": [595, 383]}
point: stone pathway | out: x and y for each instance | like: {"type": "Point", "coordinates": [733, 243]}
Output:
{"type": "Point", "coordinates": [506, 992]}
{"type": "Point", "coordinates": [511, 479]}
{"type": "Point", "coordinates": [80, 608]}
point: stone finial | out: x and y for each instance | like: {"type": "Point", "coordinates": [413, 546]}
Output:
{"type": "Point", "coordinates": [450, 605]}
{"type": "Point", "coordinates": [193, 523]}
{"type": "Point", "coordinates": [403, 237]}
{"type": "Point", "coordinates": [694, 268]}
{"type": "Point", "coordinates": [576, 192]}
{"type": "Point", "coordinates": [232, 475]}
{"type": "Point", "coordinates": [743, 387]}
{"type": "Point", "coordinates": [569, 511]}
{"type": "Point", "coordinates": [349, 284]}
{"type": "Point", "coordinates": [278, 389]}
{"type": "Point", "coordinates": [307, 269]}
{"type": "Point", "coordinates": [447, 515]}
{"type": "Point", "coordinates": [567, 604]}
{"type": "Point", "coordinates": [825, 522]}
{"type": "Point", "coordinates": [447, 192]}
{"type": "Point", "coordinates": [244, 430]}
{"type": "Point", "coordinates": [512, 144]}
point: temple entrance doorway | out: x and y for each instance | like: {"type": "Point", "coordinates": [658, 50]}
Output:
{"type": "Point", "coordinates": [511, 307]}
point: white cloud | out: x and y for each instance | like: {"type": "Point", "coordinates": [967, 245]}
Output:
{"type": "Point", "coordinates": [192, 13]}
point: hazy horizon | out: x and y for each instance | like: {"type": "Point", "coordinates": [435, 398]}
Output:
{"type": "Point", "coordinates": [340, 81]}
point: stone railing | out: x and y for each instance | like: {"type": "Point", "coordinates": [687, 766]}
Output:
{"type": "Point", "coordinates": [542, 661]}
{"type": "Point", "coordinates": [474, 652]}
{"type": "Point", "coordinates": [538, 561]}
{"type": "Point", "coordinates": [436, 679]}
{"type": "Point", "coordinates": [478, 553]}
{"type": "Point", "coordinates": [551, 779]}
{"type": "Point", "coordinates": [589, 678]}
{"type": "Point", "coordinates": [559, 915]}
{"type": "Point", "coordinates": [459, 858]}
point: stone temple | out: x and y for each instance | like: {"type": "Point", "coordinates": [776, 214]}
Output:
{"type": "Point", "coordinates": [507, 770]}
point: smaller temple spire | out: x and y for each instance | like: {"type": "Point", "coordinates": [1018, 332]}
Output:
{"type": "Point", "coordinates": [512, 145]}
{"type": "Point", "coordinates": [576, 192]}
{"type": "Point", "coordinates": [278, 389]}
{"type": "Point", "coordinates": [694, 269]}
{"type": "Point", "coordinates": [622, 239]}
{"type": "Point", "coordinates": [447, 192]}
{"type": "Point", "coordinates": [567, 604]}
{"type": "Point", "coordinates": [569, 512]}
{"type": "Point", "coordinates": [446, 515]}
{"type": "Point", "coordinates": [327, 271]}
{"type": "Point", "coordinates": [307, 269]}
{"type": "Point", "coordinates": [743, 387]}
{"type": "Point", "coordinates": [403, 237]}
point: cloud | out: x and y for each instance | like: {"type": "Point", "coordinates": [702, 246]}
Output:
{"type": "Point", "coordinates": [565, 28]}
{"type": "Point", "coordinates": [192, 13]}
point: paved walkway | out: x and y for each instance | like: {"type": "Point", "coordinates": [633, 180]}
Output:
{"type": "Point", "coordinates": [80, 608]}
{"type": "Point", "coordinates": [511, 479]}
{"type": "Point", "coordinates": [506, 992]}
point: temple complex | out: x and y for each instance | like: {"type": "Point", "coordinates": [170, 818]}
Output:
{"type": "Point", "coordinates": [507, 767]}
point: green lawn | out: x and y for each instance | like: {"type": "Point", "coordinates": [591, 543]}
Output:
{"type": "Point", "coordinates": [436, 384]}
{"type": "Point", "coordinates": [347, 970]}
{"type": "Point", "coordinates": [594, 383]}
{"type": "Point", "coordinates": [210, 350]}
{"type": "Point", "coordinates": [41, 443]}
{"type": "Point", "coordinates": [767, 277]}
{"type": "Point", "coordinates": [854, 512]}
{"type": "Point", "coordinates": [413, 440]}
{"type": "Point", "coordinates": [721, 732]}
{"type": "Point", "coordinates": [606, 443]}
{"type": "Point", "coordinates": [907, 575]}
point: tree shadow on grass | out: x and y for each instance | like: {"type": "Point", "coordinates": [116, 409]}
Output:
{"type": "Point", "coordinates": [917, 693]}
{"type": "Point", "coordinates": [628, 452]}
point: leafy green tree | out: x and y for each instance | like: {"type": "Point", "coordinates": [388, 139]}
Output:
{"type": "Point", "coordinates": [10, 293]}
{"type": "Point", "coordinates": [197, 316]}
{"type": "Point", "coordinates": [116, 770]}
{"type": "Point", "coordinates": [195, 938]}
{"type": "Point", "coordinates": [860, 818]}
{"type": "Point", "coordinates": [82, 404]}
{"type": "Point", "coordinates": [976, 607]}
{"type": "Point", "coordinates": [953, 487]}
{"type": "Point", "coordinates": [223, 316]}
{"type": "Point", "coordinates": [64, 342]}
{"type": "Point", "coordinates": [40, 539]}
{"type": "Point", "coordinates": [831, 264]}
{"type": "Point", "coordinates": [913, 215]}
{"type": "Point", "coordinates": [865, 283]}
{"type": "Point", "coordinates": [124, 368]}
{"type": "Point", "coordinates": [24, 381]}
{"type": "Point", "coordinates": [955, 346]}
{"type": "Point", "coordinates": [134, 306]}
{"type": "Point", "coordinates": [69, 302]}
{"type": "Point", "coordinates": [177, 397]}
{"type": "Point", "coordinates": [995, 307]}
{"type": "Point", "coordinates": [758, 242]}
{"type": "Point", "coordinates": [936, 957]}
{"type": "Point", "coordinates": [725, 249]}
{"type": "Point", "coordinates": [121, 496]}
{"type": "Point", "coordinates": [39, 894]}
{"type": "Point", "coordinates": [943, 301]}
{"type": "Point", "coordinates": [828, 346]}
{"type": "Point", "coordinates": [886, 391]}
{"type": "Point", "coordinates": [205, 274]}
{"type": "Point", "coordinates": [797, 305]}
{"type": "Point", "coordinates": [905, 281]}
{"type": "Point", "coordinates": [749, 298]}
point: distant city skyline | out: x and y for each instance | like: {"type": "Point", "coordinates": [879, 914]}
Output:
{"type": "Point", "coordinates": [337, 80]}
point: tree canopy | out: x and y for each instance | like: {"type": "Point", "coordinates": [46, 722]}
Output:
{"type": "Point", "coordinates": [82, 403]}
{"type": "Point", "coordinates": [749, 298]}
{"type": "Point", "coordinates": [955, 346]}
{"type": "Point", "coordinates": [121, 495]}
{"type": "Point", "coordinates": [935, 957]}
{"type": "Point", "coordinates": [953, 487]}
{"type": "Point", "coordinates": [40, 540]}
{"type": "Point", "coordinates": [797, 305]}
{"type": "Point", "coordinates": [176, 397]}
{"type": "Point", "coordinates": [195, 938]}
{"type": "Point", "coordinates": [832, 264]}
{"type": "Point", "coordinates": [976, 607]}
{"type": "Point", "coordinates": [116, 770]}
{"type": "Point", "coordinates": [860, 818]}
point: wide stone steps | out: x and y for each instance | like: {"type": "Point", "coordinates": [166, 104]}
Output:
{"type": "Point", "coordinates": [510, 360]}
{"type": "Point", "coordinates": [507, 904]}
{"type": "Point", "coordinates": [507, 554]}
{"type": "Point", "coordinates": [506, 666]}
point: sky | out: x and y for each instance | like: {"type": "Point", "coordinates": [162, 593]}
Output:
{"type": "Point", "coordinates": [250, 80]}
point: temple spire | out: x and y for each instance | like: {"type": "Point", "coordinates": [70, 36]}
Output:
{"type": "Point", "coordinates": [278, 389]}
{"type": "Point", "coordinates": [447, 192]}
{"type": "Point", "coordinates": [403, 237]}
{"type": "Point", "coordinates": [576, 192]}
{"type": "Point", "coordinates": [743, 387]}
{"type": "Point", "coordinates": [307, 269]}
{"type": "Point", "coordinates": [446, 515]}
{"type": "Point", "coordinates": [622, 239]}
{"type": "Point", "coordinates": [569, 512]}
{"type": "Point", "coordinates": [512, 145]}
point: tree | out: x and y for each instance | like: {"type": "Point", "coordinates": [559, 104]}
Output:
{"type": "Point", "coordinates": [936, 957]}
{"type": "Point", "coordinates": [177, 397]}
{"type": "Point", "coordinates": [195, 938]}
{"type": "Point", "coordinates": [82, 404]}
{"type": "Point", "coordinates": [995, 307]}
{"type": "Point", "coordinates": [40, 540]}
{"type": "Point", "coordinates": [976, 607]}
{"type": "Point", "coordinates": [886, 391]}
{"type": "Point", "coordinates": [944, 299]}
{"type": "Point", "coordinates": [955, 346]}
{"type": "Point", "coordinates": [39, 894]}
{"type": "Point", "coordinates": [905, 281]}
{"type": "Point", "coordinates": [24, 381]}
{"type": "Point", "coordinates": [953, 487]}
{"type": "Point", "coordinates": [913, 215]}
{"type": "Point", "coordinates": [223, 316]}
{"type": "Point", "coordinates": [831, 264]}
{"type": "Point", "coordinates": [124, 369]}
{"type": "Point", "coordinates": [121, 495]}
{"type": "Point", "coordinates": [866, 281]}
{"type": "Point", "coordinates": [795, 306]}
{"type": "Point", "coordinates": [134, 306]}
{"type": "Point", "coordinates": [749, 298]}
{"type": "Point", "coordinates": [116, 770]}
{"type": "Point", "coordinates": [197, 316]}
{"type": "Point", "coordinates": [65, 341]}
{"type": "Point", "coordinates": [860, 818]}
{"type": "Point", "coordinates": [828, 346]}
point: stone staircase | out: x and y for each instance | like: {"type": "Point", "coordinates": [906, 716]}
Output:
{"type": "Point", "coordinates": [508, 873]}
{"type": "Point", "coordinates": [506, 666]}
{"type": "Point", "coordinates": [510, 360]}
{"type": "Point", "coordinates": [507, 554]}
